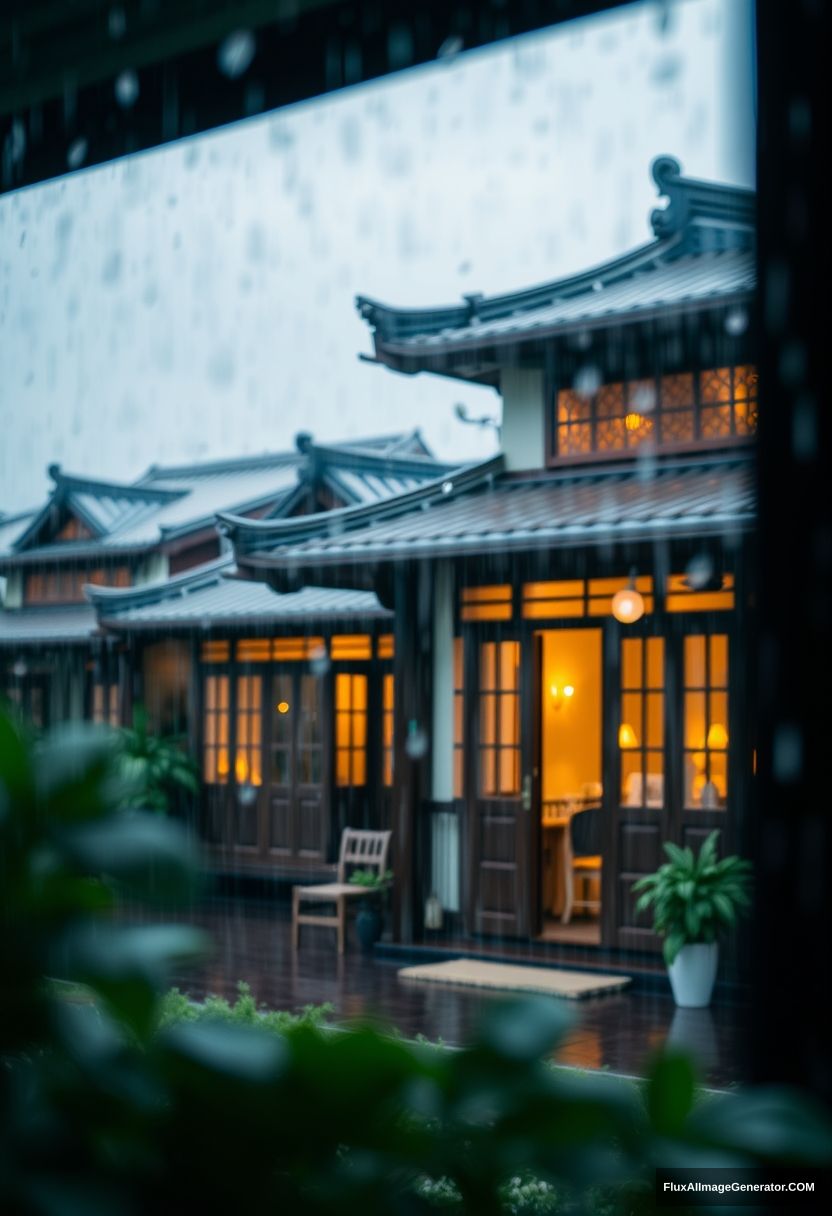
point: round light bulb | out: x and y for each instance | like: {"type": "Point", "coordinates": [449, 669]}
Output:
{"type": "Point", "coordinates": [627, 606]}
{"type": "Point", "coordinates": [568, 690]}
{"type": "Point", "coordinates": [283, 707]}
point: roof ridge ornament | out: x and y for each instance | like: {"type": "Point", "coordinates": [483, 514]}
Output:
{"type": "Point", "coordinates": [703, 215]}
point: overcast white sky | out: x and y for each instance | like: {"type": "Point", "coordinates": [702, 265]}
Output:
{"type": "Point", "coordinates": [198, 300]}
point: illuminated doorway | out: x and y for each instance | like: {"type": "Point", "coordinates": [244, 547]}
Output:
{"type": "Point", "coordinates": [571, 790]}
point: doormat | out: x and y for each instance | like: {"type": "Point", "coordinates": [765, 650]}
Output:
{"type": "Point", "coordinates": [508, 977]}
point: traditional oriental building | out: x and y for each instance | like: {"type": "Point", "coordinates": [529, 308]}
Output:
{"type": "Point", "coordinates": [121, 593]}
{"type": "Point", "coordinates": [569, 619]}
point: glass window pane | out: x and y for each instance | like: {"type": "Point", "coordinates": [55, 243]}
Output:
{"type": "Point", "coordinates": [655, 720]}
{"type": "Point", "coordinates": [695, 720]}
{"type": "Point", "coordinates": [695, 661]}
{"type": "Point", "coordinates": [631, 663]}
{"type": "Point", "coordinates": [655, 662]}
{"type": "Point", "coordinates": [488, 770]}
{"type": "Point", "coordinates": [631, 779]}
{"type": "Point", "coordinates": [719, 661]}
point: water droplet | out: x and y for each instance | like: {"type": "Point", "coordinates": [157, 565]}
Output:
{"type": "Point", "coordinates": [644, 398]}
{"type": "Point", "coordinates": [246, 794]}
{"type": "Point", "coordinates": [127, 89]}
{"type": "Point", "coordinates": [450, 48]}
{"type": "Point", "coordinates": [76, 153]}
{"type": "Point", "coordinates": [19, 670]}
{"type": "Point", "coordinates": [699, 571]}
{"type": "Point", "coordinates": [16, 141]}
{"type": "Point", "coordinates": [236, 53]}
{"type": "Point", "coordinates": [416, 744]}
{"type": "Point", "coordinates": [736, 322]}
{"type": "Point", "coordinates": [447, 487]}
{"type": "Point", "coordinates": [587, 381]}
{"type": "Point", "coordinates": [319, 661]}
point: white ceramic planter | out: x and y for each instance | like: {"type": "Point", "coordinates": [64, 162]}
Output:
{"type": "Point", "coordinates": [692, 974]}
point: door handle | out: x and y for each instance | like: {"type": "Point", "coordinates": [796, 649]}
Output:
{"type": "Point", "coordinates": [526, 796]}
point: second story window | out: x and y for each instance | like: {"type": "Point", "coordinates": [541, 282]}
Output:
{"type": "Point", "coordinates": [709, 406]}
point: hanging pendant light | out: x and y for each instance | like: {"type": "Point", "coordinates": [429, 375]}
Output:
{"type": "Point", "coordinates": [628, 604]}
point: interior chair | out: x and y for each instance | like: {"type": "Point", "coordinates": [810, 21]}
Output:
{"type": "Point", "coordinates": [360, 850]}
{"type": "Point", "coordinates": [586, 835]}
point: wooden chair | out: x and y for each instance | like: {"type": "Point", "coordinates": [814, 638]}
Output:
{"type": "Point", "coordinates": [583, 858]}
{"type": "Point", "coordinates": [359, 850]}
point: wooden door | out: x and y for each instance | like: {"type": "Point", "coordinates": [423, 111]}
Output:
{"type": "Point", "coordinates": [295, 821]}
{"type": "Point", "coordinates": [501, 796]}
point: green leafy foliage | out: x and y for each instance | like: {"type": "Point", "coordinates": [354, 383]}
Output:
{"type": "Point", "coordinates": [116, 1101]}
{"type": "Point", "coordinates": [244, 1011]}
{"type": "Point", "coordinates": [157, 772]}
{"type": "Point", "coordinates": [695, 898]}
{"type": "Point", "coordinates": [371, 880]}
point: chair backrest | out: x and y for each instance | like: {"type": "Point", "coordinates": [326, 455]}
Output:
{"type": "Point", "coordinates": [363, 850]}
{"type": "Point", "coordinates": [586, 831]}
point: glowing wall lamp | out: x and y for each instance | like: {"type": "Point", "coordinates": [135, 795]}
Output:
{"type": "Point", "coordinates": [626, 736]}
{"type": "Point", "coordinates": [628, 604]}
{"type": "Point", "coordinates": [561, 693]}
{"type": "Point", "coordinates": [717, 737]}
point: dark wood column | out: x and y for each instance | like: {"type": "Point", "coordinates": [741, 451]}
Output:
{"type": "Point", "coordinates": [412, 723]}
{"type": "Point", "coordinates": [793, 817]}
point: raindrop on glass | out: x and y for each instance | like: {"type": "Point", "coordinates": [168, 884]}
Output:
{"type": "Point", "coordinates": [117, 22]}
{"type": "Point", "coordinates": [736, 322]}
{"type": "Point", "coordinates": [587, 381]}
{"type": "Point", "coordinates": [319, 661]}
{"type": "Point", "coordinates": [236, 53]}
{"type": "Point", "coordinates": [76, 153]}
{"type": "Point", "coordinates": [447, 487]}
{"type": "Point", "coordinates": [19, 669]}
{"type": "Point", "coordinates": [127, 89]}
{"type": "Point", "coordinates": [699, 571]}
{"type": "Point", "coordinates": [643, 398]}
{"type": "Point", "coordinates": [450, 48]}
{"type": "Point", "coordinates": [246, 794]}
{"type": "Point", "coordinates": [16, 141]}
{"type": "Point", "coordinates": [416, 744]}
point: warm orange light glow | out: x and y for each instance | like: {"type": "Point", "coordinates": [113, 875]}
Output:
{"type": "Point", "coordinates": [283, 707]}
{"type": "Point", "coordinates": [626, 736]}
{"type": "Point", "coordinates": [633, 421]}
{"type": "Point", "coordinates": [628, 606]}
{"type": "Point", "coordinates": [241, 768]}
{"type": "Point", "coordinates": [717, 737]}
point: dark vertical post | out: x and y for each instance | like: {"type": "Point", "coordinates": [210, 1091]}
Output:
{"type": "Point", "coordinates": [412, 722]}
{"type": "Point", "coordinates": [792, 818]}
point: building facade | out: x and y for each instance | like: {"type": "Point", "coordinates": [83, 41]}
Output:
{"type": "Point", "coordinates": [570, 619]}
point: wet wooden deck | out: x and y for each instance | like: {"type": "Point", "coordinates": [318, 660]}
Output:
{"type": "Point", "coordinates": [617, 1032]}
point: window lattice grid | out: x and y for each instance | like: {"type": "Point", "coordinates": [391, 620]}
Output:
{"type": "Point", "coordinates": [706, 721]}
{"type": "Point", "coordinates": [499, 719]}
{"type": "Point", "coordinates": [350, 729]}
{"type": "Point", "coordinates": [249, 724]}
{"type": "Point", "coordinates": [641, 729]}
{"type": "Point", "coordinates": [711, 405]}
{"type": "Point", "coordinates": [216, 750]}
{"type": "Point", "coordinates": [387, 720]}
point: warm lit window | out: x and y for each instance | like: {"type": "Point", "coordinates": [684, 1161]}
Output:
{"type": "Point", "coordinates": [385, 646]}
{"type": "Point", "coordinates": [350, 729]}
{"type": "Point", "coordinates": [351, 646]}
{"type": "Point", "coordinates": [499, 736]}
{"type": "Point", "coordinates": [105, 704]}
{"type": "Point", "coordinates": [577, 597]}
{"type": "Point", "coordinates": [249, 717]}
{"type": "Point", "coordinates": [487, 603]}
{"type": "Point", "coordinates": [459, 719]}
{"type": "Point", "coordinates": [710, 405]}
{"type": "Point", "coordinates": [706, 721]}
{"type": "Point", "coordinates": [253, 650]}
{"type": "Point", "coordinates": [641, 729]}
{"type": "Point", "coordinates": [387, 703]}
{"type": "Point", "coordinates": [215, 728]}
{"type": "Point", "coordinates": [680, 596]}
{"type": "Point", "coordinates": [215, 652]}
{"type": "Point", "coordinates": [296, 649]}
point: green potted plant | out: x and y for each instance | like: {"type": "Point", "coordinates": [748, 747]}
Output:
{"type": "Point", "coordinates": [694, 901]}
{"type": "Point", "coordinates": [369, 921]}
{"type": "Point", "coordinates": [157, 772]}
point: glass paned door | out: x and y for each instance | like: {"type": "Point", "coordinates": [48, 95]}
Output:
{"type": "Point", "coordinates": [295, 720]}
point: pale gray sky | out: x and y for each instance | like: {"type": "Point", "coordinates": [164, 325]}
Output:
{"type": "Point", "coordinates": [197, 300]}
